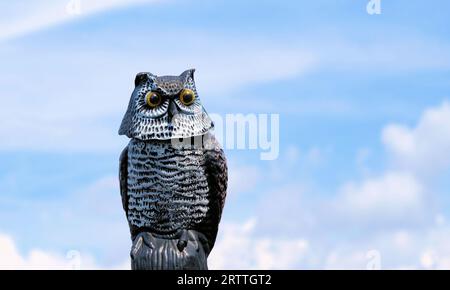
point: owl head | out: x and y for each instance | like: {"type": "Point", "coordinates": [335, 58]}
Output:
{"type": "Point", "coordinates": [165, 107]}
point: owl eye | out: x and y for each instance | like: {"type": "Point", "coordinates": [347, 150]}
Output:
{"type": "Point", "coordinates": [187, 97]}
{"type": "Point", "coordinates": [152, 99]}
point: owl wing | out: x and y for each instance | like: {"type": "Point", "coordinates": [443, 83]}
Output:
{"type": "Point", "coordinates": [123, 177]}
{"type": "Point", "coordinates": [217, 174]}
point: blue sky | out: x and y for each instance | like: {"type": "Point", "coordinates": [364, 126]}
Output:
{"type": "Point", "coordinates": [362, 173]}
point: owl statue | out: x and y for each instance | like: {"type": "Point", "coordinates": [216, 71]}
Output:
{"type": "Point", "coordinates": [173, 174]}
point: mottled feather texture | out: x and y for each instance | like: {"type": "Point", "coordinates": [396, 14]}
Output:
{"type": "Point", "coordinates": [123, 178]}
{"type": "Point", "coordinates": [173, 196]}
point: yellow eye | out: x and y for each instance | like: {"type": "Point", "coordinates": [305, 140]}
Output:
{"type": "Point", "coordinates": [187, 97]}
{"type": "Point", "coordinates": [152, 99]}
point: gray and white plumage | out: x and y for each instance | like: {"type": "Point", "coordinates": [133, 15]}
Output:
{"type": "Point", "coordinates": [171, 194]}
{"type": "Point", "coordinates": [144, 123]}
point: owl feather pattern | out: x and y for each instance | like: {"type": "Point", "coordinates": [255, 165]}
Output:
{"type": "Point", "coordinates": [173, 195]}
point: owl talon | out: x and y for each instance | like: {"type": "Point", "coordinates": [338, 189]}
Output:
{"type": "Point", "coordinates": [182, 242]}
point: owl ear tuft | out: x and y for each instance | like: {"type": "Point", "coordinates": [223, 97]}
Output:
{"type": "Point", "coordinates": [188, 73]}
{"type": "Point", "coordinates": [142, 77]}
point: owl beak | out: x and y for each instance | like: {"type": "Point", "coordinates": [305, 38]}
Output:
{"type": "Point", "coordinates": [173, 110]}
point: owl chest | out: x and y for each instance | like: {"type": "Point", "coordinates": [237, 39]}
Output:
{"type": "Point", "coordinates": [167, 187]}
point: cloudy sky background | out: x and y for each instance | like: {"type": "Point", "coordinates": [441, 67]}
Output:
{"type": "Point", "coordinates": [362, 178]}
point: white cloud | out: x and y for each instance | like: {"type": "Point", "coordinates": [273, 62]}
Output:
{"type": "Point", "coordinates": [25, 16]}
{"type": "Point", "coordinates": [38, 259]}
{"type": "Point", "coordinates": [401, 193]}
{"type": "Point", "coordinates": [424, 148]}
{"type": "Point", "coordinates": [243, 62]}
{"type": "Point", "coordinates": [390, 213]}
{"type": "Point", "coordinates": [242, 246]}
{"type": "Point", "coordinates": [338, 259]}
{"type": "Point", "coordinates": [398, 197]}
{"type": "Point", "coordinates": [385, 220]}
{"type": "Point", "coordinates": [392, 194]}
{"type": "Point", "coordinates": [239, 248]}
{"type": "Point", "coordinates": [98, 97]}
{"type": "Point", "coordinates": [236, 248]}
{"type": "Point", "coordinates": [88, 219]}
{"type": "Point", "coordinates": [83, 112]}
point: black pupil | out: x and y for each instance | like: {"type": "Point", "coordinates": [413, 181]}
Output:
{"type": "Point", "coordinates": [154, 99]}
{"type": "Point", "coordinates": [187, 98]}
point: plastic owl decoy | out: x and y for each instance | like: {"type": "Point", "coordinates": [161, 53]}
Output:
{"type": "Point", "coordinates": [173, 187]}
